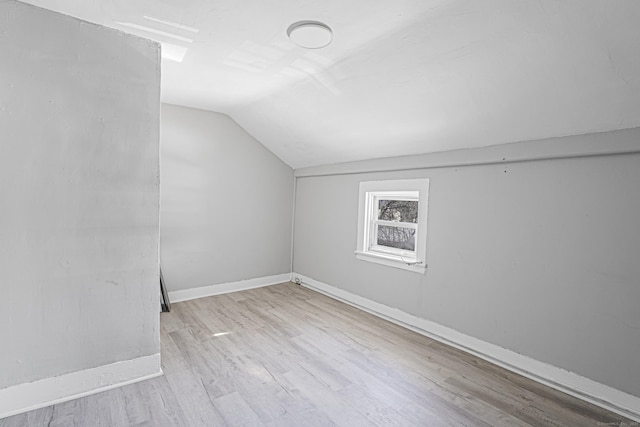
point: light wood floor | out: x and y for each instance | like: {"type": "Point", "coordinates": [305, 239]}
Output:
{"type": "Point", "coordinates": [287, 356]}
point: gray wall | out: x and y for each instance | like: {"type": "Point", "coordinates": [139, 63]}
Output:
{"type": "Point", "coordinates": [541, 257]}
{"type": "Point", "coordinates": [79, 122]}
{"type": "Point", "coordinates": [226, 202]}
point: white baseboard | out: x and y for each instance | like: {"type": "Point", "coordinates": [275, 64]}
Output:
{"type": "Point", "coordinates": [568, 382]}
{"type": "Point", "coordinates": [49, 391]}
{"type": "Point", "coordinates": [225, 288]}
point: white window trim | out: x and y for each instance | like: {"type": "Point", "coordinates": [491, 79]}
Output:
{"type": "Point", "coordinates": [393, 188]}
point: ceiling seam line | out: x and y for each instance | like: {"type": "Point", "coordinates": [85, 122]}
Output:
{"type": "Point", "coordinates": [477, 163]}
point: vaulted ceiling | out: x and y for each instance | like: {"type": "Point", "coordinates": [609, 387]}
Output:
{"type": "Point", "coordinates": [400, 77]}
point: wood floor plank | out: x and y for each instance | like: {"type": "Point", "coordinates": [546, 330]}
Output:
{"type": "Point", "coordinates": [191, 395]}
{"type": "Point", "coordinates": [284, 355]}
{"type": "Point", "coordinates": [236, 411]}
{"type": "Point", "coordinates": [338, 410]}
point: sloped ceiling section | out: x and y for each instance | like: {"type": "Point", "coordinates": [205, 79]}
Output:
{"type": "Point", "coordinates": [401, 77]}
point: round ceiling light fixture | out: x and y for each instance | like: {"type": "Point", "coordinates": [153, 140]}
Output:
{"type": "Point", "coordinates": [310, 34]}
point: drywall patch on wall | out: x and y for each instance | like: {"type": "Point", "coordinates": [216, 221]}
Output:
{"type": "Point", "coordinates": [79, 184]}
{"type": "Point", "coordinates": [226, 203]}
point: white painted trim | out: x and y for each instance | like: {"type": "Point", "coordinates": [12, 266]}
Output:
{"type": "Point", "coordinates": [568, 382]}
{"type": "Point", "coordinates": [225, 288]}
{"type": "Point", "coordinates": [404, 189]}
{"type": "Point", "coordinates": [608, 143]}
{"type": "Point", "coordinates": [390, 261]}
{"type": "Point", "coordinates": [49, 391]}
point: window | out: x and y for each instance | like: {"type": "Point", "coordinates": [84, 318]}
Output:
{"type": "Point", "coordinates": [392, 223]}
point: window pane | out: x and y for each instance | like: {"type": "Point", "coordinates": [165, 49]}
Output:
{"type": "Point", "coordinates": [398, 210]}
{"type": "Point", "coordinates": [397, 237]}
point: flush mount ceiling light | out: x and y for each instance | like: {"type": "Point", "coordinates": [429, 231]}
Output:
{"type": "Point", "coordinates": [310, 34]}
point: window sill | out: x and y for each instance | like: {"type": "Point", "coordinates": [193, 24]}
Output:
{"type": "Point", "coordinates": [390, 261]}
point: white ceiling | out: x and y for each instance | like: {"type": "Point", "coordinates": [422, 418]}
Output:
{"type": "Point", "coordinates": [401, 77]}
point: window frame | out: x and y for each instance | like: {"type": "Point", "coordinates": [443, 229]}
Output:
{"type": "Point", "coordinates": [373, 222]}
{"type": "Point", "coordinates": [367, 249]}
